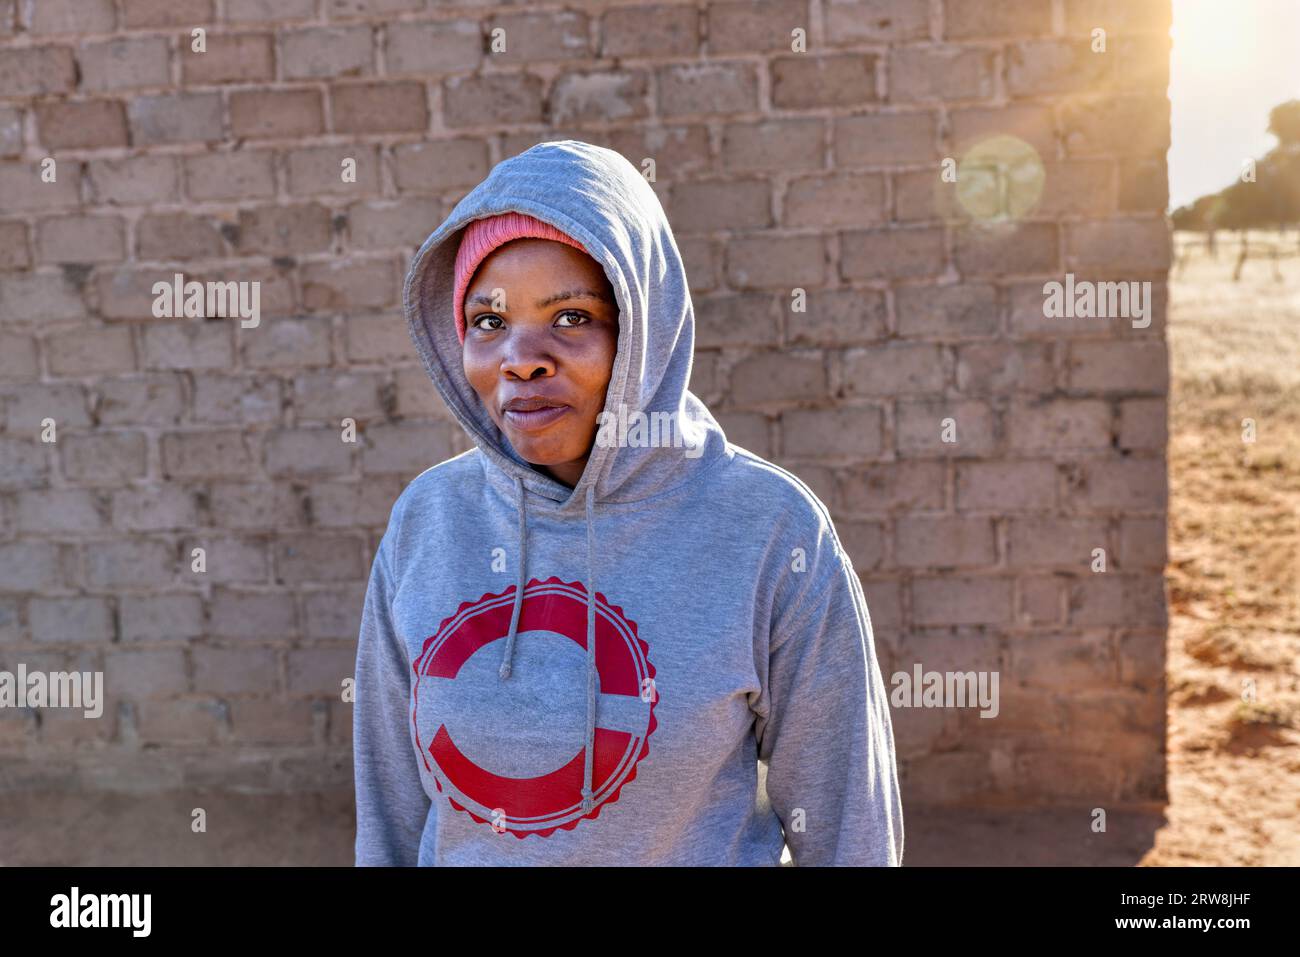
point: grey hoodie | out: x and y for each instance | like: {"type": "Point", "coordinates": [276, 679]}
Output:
{"type": "Point", "coordinates": [669, 663]}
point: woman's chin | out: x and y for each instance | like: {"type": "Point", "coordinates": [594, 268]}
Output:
{"type": "Point", "coordinates": [538, 454]}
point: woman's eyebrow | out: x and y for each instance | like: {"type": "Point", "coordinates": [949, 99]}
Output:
{"type": "Point", "coordinates": [574, 294]}
{"type": "Point", "coordinates": [485, 300]}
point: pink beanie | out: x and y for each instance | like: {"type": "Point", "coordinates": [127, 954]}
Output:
{"type": "Point", "coordinates": [482, 236]}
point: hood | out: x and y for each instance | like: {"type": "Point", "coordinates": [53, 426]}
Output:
{"type": "Point", "coordinates": [600, 199]}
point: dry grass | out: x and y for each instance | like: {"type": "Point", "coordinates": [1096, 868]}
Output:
{"type": "Point", "coordinates": [1234, 563]}
{"type": "Point", "coordinates": [1236, 339]}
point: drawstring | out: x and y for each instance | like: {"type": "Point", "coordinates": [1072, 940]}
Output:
{"type": "Point", "coordinates": [507, 658]}
{"type": "Point", "coordinates": [591, 658]}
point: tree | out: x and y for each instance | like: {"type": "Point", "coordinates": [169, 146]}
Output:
{"type": "Point", "coordinates": [1284, 123]}
{"type": "Point", "coordinates": [1272, 200]}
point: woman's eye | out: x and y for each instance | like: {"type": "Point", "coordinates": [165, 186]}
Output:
{"type": "Point", "coordinates": [477, 322]}
{"type": "Point", "coordinates": [576, 315]}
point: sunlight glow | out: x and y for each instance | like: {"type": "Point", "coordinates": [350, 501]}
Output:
{"type": "Point", "coordinates": [1232, 62]}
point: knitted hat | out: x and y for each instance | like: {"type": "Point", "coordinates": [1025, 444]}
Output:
{"type": "Point", "coordinates": [482, 236]}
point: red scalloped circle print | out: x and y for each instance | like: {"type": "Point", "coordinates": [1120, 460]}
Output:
{"type": "Point", "coordinates": [479, 622]}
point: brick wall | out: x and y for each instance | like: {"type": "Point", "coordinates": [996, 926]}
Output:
{"type": "Point", "coordinates": [782, 170]}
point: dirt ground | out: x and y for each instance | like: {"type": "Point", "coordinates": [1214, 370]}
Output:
{"type": "Point", "coordinates": [1234, 562]}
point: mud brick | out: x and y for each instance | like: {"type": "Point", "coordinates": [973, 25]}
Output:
{"type": "Point", "coordinates": [236, 174]}
{"type": "Point", "coordinates": [773, 145]}
{"type": "Point", "coordinates": [951, 600]}
{"type": "Point", "coordinates": [846, 432]}
{"type": "Point", "coordinates": [86, 124]}
{"type": "Point", "coordinates": [867, 21]}
{"type": "Point", "coordinates": [81, 239]}
{"type": "Point", "coordinates": [712, 87]}
{"type": "Point", "coordinates": [892, 253]}
{"type": "Point", "coordinates": [175, 118]}
{"type": "Point", "coordinates": [542, 36]}
{"type": "Point", "coordinates": [776, 262]}
{"type": "Point", "coordinates": [836, 200]}
{"type": "Point", "coordinates": [894, 369]}
{"type": "Point", "coordinates": [125, 63]}
{"type": "Point", "coordinates": [308, 452]}
{"type": "Point", "coordinates": [71, 16]}
{"type": "Point", "coordinates": [235, 670]}
{"type": "Point", "coordinates": [808, 81]}
{"type": "Point", "coordinates": [876, 139]}
{"type": "Point", "coordinates": [37, 70]}
{"type": "Point", "coordinates": [974, 18]}
{"type": "Point", "coordinates": [229, 58]}
{"type": "Point", "coordinates": [440, 48]}
{"type": "Point", "coordinates": [379, 108]}
{"type": "Point", "coordinates": [264, 114]}
{"type": "Point", "coordinates": [320, 170]}
{"type": "Point", "coordinates": [772, 376]}
{"type": "Point", "coordinates": [166, 13]}
{"type": "Point", "coordinates": [320, 671]}
{"type": "Point", "coordinates": [435, 167]}
{"type": "Point", "coordinates": [178, 236]}
{"type": "Point", "coordinates": [317, 558]}
{"type": "Point", "coordinates": [134, 180]}
{"type": "Point", "coordinates": [206, 454]}
{"type": "Point", "coordinates": [388, 224]}
{"type": "Point", "coordinates": [967, 311]}
{"type": "Point", "coordinates": [178, 344]}
{"type": "Point", "coordinates": [921, 427]}
{"type": "Point", "coordinates": [942, 541]}
{"type": "Point", "coordinates": [29, 566]}
{"type": "Point", "coordinates": [1006, 486]}
{"type": "Point", "coordinates": [284, 230]}
{"type": "Point", "coordinates": [108, 458]}
{"type": "Point", "coordinates": [268, 616]}
{"type": "Point", "coordinates": [929, 74]}
{"type": "Point", "coordinates": [158, 617]}
{"type": "Point", "coordinates": [910, 484]}
{"type": "Point", "coordinates": [591, 97]}
{"type": "Point", "coordinates": [91, 351]}
{"type": "Point", "coordinates": [650, 31]}
{"type": "Point", "coordinates": [139, 562]}
{"type": "Point", "coordinates": [329, 51]}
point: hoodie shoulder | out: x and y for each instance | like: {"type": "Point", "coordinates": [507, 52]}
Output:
{"type": "Point", "coordinates": [430, 489]}
{"type": "Point", "coordinates": [804, 554]}
{"type": "Point", "coordinates": [776, 491]}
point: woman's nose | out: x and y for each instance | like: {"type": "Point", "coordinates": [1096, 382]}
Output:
{"type": "Point", "coordinates": [526, 354]}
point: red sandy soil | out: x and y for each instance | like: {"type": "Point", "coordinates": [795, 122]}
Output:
{"type": "Point", "coordinates": [1234, 568]}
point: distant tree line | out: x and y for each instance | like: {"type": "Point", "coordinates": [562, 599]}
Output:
{"type": "Point", "coordinates": [1272, 201]}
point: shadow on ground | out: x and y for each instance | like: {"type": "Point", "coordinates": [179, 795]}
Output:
{"type": "Point", "coordinates": [318, 829]}
{"type": "Point", "coordinates": [1026, 837]}
{"type": "Point", "coordinates": [109, 829]}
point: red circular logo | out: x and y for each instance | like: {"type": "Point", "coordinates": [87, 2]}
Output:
{"type": "Point", "coordinates": [513, 766]}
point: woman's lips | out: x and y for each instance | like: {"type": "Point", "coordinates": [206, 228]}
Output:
{"type": "Point", "coordinates": [535, 420]}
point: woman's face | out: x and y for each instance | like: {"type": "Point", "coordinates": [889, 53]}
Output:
{"type": "Point", "coordinates": [541, 331]}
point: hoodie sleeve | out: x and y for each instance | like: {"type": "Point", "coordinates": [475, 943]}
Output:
{"type": "Point", "coordinates": [825, 733]}
{"type": "Point", "coordinates": [392, 806]}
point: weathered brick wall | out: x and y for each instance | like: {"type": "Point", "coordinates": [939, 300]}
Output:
{"type": "Point", "coordinates": [781, 170]}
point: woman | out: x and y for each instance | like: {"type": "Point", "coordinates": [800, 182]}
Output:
{"type": "Point", "coordinates": [604, 635]}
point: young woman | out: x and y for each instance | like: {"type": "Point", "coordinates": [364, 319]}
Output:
{"type": "Point", "coordinates": [605, 635]}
